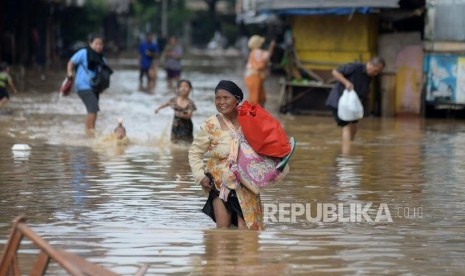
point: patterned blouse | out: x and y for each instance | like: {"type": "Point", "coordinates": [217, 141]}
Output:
{"type": "Point", "coordinates": [214, 142]}
{"type": "Point", "coordinates": [190, 106]}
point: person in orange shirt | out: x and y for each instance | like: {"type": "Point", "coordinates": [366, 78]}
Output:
{"type": "Point", "coordinates": [256, 69]}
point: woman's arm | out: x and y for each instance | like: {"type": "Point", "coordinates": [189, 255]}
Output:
{"type": "Point", "coordinates": [196, 153]}
{"type": "Point", "coordinates": [271, 49]}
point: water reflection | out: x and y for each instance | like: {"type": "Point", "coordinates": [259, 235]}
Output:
{"type": "Point", "coordinates": [123, 206]}
{"type": "Point", "coordinates": [348, 173]}
{"type": "Point", "coordinates": [20, 156]}
{"type": "Point", "coordinates": [235, 252]}
{"type": "Point", "coordinates": [83, 165]}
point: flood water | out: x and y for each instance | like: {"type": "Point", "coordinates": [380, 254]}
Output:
{"type": "Point", "coordinates": [126, 206]}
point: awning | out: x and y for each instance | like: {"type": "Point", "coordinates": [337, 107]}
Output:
{"type": "Point", "coordinates": [333, 11]}
{"type": "Point", "coordinates": [262, 5]}
{"type": "Point", "coordinates": [265, 11]}
{"type": "Point", "coordinates": [252, 18]}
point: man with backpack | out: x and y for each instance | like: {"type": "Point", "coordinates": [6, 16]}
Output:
{"type": "Point", "coordinates": [91, 76]}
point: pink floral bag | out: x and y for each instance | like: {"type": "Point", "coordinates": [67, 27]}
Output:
{"type": "Point", "coordinates": [254, 171]}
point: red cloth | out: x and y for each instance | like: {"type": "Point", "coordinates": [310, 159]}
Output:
{"type": "Point", "coordinates": [262, 131]}
{"type": "Point", "coordinates": [66, 86]}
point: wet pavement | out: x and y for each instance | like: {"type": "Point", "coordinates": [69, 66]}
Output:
{"type": "Point", "coordinates": [124, 206]}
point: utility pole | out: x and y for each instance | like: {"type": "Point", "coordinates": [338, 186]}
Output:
{"type": "Point", "coordinates": [164, 18]}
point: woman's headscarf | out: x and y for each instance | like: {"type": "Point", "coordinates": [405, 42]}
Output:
{"type": "Point", "coordinates": [232, 88]}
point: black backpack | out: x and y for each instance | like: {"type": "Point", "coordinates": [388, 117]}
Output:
{"type": "Point", "coordinates": [101, 81]}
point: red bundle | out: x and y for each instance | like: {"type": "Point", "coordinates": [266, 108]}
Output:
{"type": "Point", "coordinates": [262, 131]}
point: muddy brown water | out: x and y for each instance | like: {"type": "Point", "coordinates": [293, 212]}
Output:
{"type": "Point", "coordinates": [124, 206]}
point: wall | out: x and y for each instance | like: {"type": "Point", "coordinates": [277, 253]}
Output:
{"type": "Point", "coordinates": [325, 41]}
{"type": "Point", "coordinates": [401, 80]}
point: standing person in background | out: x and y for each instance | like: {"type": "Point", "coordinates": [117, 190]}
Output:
{"type": "Point", "coordinates": [5, 81]}
{"type": "Point", "coordinates": [256, 69]}
{"type": "Point", "coordinates": [148, 52]}
{"type": "Point", "coordinates": [352, 76]}
{"type": "Point", "coordinates": [85, 62]}
{"type": "Point", "coordinates": [172, 56]}
{"type": "Point", "coordinates": [182, 128]}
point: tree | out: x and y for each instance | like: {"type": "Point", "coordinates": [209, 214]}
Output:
{"type": "Point", "coordinates": [213, 14]}
{"type": "Point", "coordinates": [148, 13]}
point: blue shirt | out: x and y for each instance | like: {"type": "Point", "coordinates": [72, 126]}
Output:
{"type": "Point", "coordinates": [147, 51]}
{"type": "Point", "coordinates": [83, 74]}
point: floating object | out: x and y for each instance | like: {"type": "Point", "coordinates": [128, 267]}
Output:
{"type": "Point", "coordinates": [21, 147]}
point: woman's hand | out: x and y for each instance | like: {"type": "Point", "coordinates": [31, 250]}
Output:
{"type": "Point", "coordinates": [205, 183]}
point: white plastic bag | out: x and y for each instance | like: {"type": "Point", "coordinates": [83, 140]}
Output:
{"type": "Point", "coordinates": [349, 107]}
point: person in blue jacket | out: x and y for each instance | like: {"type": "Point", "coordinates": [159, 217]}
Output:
{"type": "Point", "coordinates": [148, 53]}
{"type": "Point", "coordinates": [82, 68]}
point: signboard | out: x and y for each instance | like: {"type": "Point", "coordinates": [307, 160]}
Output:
{"type": "Point", "coordinates": [445, 81]}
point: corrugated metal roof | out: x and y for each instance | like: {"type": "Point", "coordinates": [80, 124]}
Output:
{"type": "Point", "coordinates": [262, 11]}
{"type": "Point", "coordinates": [333, 11]}
{"type": "Point", "coordinates": [445, 20]}
{"type": "Point", "coordinates": [312, 4]}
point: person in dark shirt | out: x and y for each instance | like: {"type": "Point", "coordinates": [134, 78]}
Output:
{"type": "Point", "coordinates": [357, 77]}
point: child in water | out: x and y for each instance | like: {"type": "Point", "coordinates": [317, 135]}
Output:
{"type": "Point", "coordinates": [182, 128]}
{"type": "Point", "coordinates": [118, 135]}
{"type": "Point", "coordinates": [5, 80]}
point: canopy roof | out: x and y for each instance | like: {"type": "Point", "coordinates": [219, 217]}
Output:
{"type": "Point", "coordinates": [322, 4]}
{"type": "Point", "coordinates": [266, 11]}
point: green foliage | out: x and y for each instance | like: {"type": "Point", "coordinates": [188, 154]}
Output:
{"type": "Point", "coordinates": [203, 28]}
{"type": "Point", "coordinates": [177, 18]}
{"type": "Point", "coordinates": [231, 32]}
{"type": "Point", "coordinates": [80, 22]}
{"type": "Point", "coordinates": [95, 11]}
{"type": "Point", "coordinates": [146, 14]}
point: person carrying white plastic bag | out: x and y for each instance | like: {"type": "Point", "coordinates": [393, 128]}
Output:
{"type": "Point", "coordinates": [349, 107]}
{"type": "Point", "coordinates": [355, 77]}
